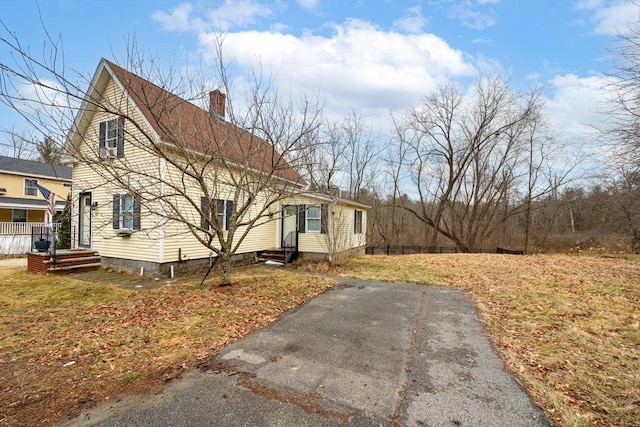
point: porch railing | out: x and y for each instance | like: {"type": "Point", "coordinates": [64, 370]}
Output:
{"type": "Point", "coordinates": [20, 228]}
{"type": "Point", "coordinates": [290, 246]}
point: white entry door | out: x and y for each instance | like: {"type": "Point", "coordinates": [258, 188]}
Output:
{"type": "Point", "coordinates": [289, 225]}
{"type": "Point", "coordinates": [84, 220]}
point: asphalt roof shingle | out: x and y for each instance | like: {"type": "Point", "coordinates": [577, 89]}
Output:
{"type": "Point", "coordinates": [181, 123]}
{"type": "Point", "coordinates": [33, 168]}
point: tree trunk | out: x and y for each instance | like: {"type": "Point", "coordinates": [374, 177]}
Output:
{"type": "Point", "coordinates": [527, 225]}
{"type": "Point", "coordinates": [225, 269]}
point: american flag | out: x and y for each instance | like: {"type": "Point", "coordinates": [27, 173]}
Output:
{"type": "Point", "coordinates": [50, 196]}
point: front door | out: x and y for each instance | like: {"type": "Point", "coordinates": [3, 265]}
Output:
{"type": "Point", "coordinates": [84, 220]}
{"type": "Point", "coordinates": [289, 225]}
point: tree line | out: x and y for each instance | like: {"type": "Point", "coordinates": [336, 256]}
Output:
{"type": "Point", "coordinates": [466, 166]}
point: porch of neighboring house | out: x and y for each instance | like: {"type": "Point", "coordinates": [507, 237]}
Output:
{"type": "Point", "coordinates": [16, 237]}
{"type": "Point", "coordinates": [38, 240]}
{"type": "Point", "coordinates": [17, 219]}
{"type": "Point", "coordinates": [47, 256]}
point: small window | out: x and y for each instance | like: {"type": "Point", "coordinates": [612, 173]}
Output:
{"type": "Point", "coordinates": [314, 216]}
{"type": "Point", "coordinates": [30, 188]}
{"type": "Point", "coordinates": [66, 184]}
{"type": "Point", "coordinates": [18, 215]}
{"type": "Point", "coordinates": [224, 210]}
{"type": "Point", "coordinates": [126, 212]}
{"type": "Point", "coordinates": [112, 137]}
{"type": "Point", "coordinates": [357, 222]}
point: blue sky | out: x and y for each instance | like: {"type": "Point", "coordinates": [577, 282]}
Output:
{"type": "Point", "coordinates": [373, 56]}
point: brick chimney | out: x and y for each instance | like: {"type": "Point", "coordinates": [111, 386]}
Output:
{"type": "Point", "coordinates": [217, 103]}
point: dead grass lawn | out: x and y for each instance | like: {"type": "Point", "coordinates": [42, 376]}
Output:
{"type": "Point", "coordinates": [567, 326]}
{"type": "Point", "coordinates": [66, 344]}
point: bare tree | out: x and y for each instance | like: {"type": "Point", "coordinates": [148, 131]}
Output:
{"type": "Point", "coordinates": [625, 130]}
{"type": "Point", "coordinates": [19, 145]}
{"type": "Point", "coordinates": [222, 170]}
{"type": "Point", "coordinates": [360, 155]}
{"type": "Point", "coordinates": [625, 82]}
{"type": "Point", "coordinates": [465, 153]}
{"type": "Point", "coordinates": [323, 162]}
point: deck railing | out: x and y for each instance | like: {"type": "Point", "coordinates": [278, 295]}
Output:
{"type": "Point", "coordinates": [21, 228]}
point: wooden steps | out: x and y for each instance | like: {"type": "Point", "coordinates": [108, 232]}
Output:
{"type": "Point", "coordinates": [281, 255]}
{"type": "Point", "coordinates": [66, 261]}
{"type": "Point", "coordinates": [275, 255]}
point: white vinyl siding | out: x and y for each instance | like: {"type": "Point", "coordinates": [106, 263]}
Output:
{"type": "Point", "coordinates": [143, 246]}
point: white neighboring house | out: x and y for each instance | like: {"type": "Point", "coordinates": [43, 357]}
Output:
{"type": "Point", "coordinates": [130, 234]}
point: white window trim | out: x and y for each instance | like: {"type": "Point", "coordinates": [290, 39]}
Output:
{"type": "Point", "coordinates": [111, 144]}
{"type": "Point", "coordinates": [223, 220]}
{"type": "Point", "coordinates": [319, 219]}
{"type": "Point", "coordinates": [121, 211]}
{"type": "Point", "coordinates": [24, 188]}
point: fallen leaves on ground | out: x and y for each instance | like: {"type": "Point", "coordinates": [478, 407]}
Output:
{"type": "Point", "coordinates": [67, 344]}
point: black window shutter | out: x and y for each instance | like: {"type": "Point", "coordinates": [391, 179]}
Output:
{"type": "Point", "coordinates": [228, 213]}
{"type": "Point", "coordinates": [206, 213]}
{"type": "Point", "coordinates": [323, 218]}
{"type": "Point", "coordinates": [355, 222]}
{"type": "Point", "coordinates": [302, 211]}
{"type": "Point", "coordinates": [102, 136]}
{"type": "Point", "coordinates": [136, 213]}
{"type": "Point", "coordinates": [116, 211]}
{"type": "Point", "coordinates": [120, 145]}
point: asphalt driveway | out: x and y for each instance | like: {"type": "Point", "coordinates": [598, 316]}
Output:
{"type": "Point", "coordinates": [364, 354]}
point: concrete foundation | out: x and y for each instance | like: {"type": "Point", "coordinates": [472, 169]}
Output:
{"type": "Point", "coordinates": [180, 268]}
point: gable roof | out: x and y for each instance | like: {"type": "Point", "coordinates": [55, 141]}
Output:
{"type": "Point", "coordinates": [178, 122]}
{"type": "Point", "coordinates": [34, 168]}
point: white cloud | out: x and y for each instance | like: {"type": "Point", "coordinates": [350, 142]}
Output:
{"type": "Point", "coordinates": [238, 13]}
{"type": "Point", "coordinates": [615, 19]}
{"type": "Point", "coordinates": [48, 104]}
{"type": "Point", "coordinates": [471, 17]}
{"type": "Point", "coordinates": [230, 14]}
{"type": "Point", "coordinates": [357, 66]}
{"type": "Point", "coordinates": [308, 4]}
{"type": "Point", "coordinates": [576, 110]}
{"type": "Point", "coordinates": [177, 20]}
{"type": "Point", "coordinates": [610, 17]}
{"type": "Point", "coordinates": [412, 22]}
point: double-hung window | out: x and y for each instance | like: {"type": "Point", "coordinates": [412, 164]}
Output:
{"type": "Point", "coordinates": [357, 222]}
{"type": "Point", "coordinates": [223, 211]}
{"type": "Point", "coordinates": [314, 218]}
{"type": "Point", "coordinates": [30, 188]}
{"type": "Point", "coordinates": [112, 137]}
{"type": "Point", "coordinates": [126, 212]}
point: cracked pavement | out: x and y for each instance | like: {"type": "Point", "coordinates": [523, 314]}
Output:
{"type": "Point", "coordinates": [363, 354]}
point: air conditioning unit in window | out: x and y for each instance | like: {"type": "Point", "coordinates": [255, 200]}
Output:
{"type": "Point", "coordinates": [124, 232]}
{"type": "Point", "coordinates": [105, 154]}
